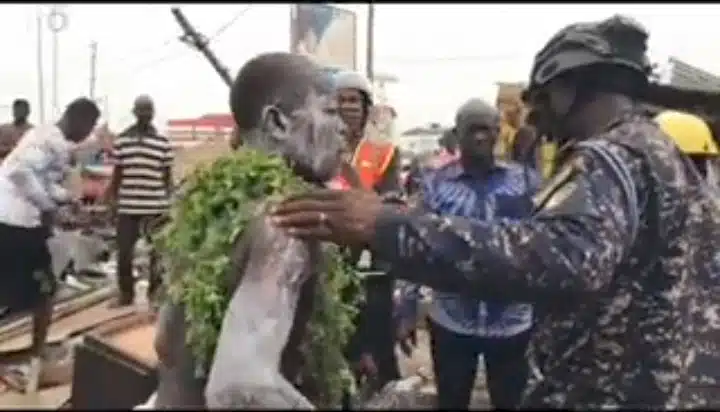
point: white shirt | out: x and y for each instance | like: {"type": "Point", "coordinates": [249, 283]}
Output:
{"type": "Point", "coordinates": [31, 176]}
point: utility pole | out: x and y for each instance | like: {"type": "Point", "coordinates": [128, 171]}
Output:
{"type": "Point", "coordinates": [93, 69]}
{"type": "Point", "coordinates": [40, 67]}
{"type": "Point", "coordinates": [55, 70]}
{"type": "Point", "coordinates": [199, 42]}
{"type": "Point", "coordinates": [370, 69]}
{"type": "Point", "coordinates": [57, 22]}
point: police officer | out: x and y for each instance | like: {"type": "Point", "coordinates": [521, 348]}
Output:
{"type": "Point", "coordinates": [615, 257]}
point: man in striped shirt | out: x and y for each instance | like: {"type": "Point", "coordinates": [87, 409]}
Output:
{"type": "Point", "coordinates": [139, 191]}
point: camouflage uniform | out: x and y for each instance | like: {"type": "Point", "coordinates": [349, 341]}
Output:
{"type": "Point", "coordinates": [618, 281]}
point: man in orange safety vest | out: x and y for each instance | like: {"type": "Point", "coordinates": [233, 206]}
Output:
{"type": "Point", "coordinates": [377, 166]}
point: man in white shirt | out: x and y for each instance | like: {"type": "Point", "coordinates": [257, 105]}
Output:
{"type": "Point", "coordinates": [30, 193]}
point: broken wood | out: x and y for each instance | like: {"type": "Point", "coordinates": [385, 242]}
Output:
{"type": "Point", "coordinates": [71, 325]}
{"type": "Point", "coordinates": [51, 398]}
{"type": "Point", "coordinates": [60, 310]}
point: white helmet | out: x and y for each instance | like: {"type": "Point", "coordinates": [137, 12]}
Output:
{"type": "Point", "coordinates": [354, 80]}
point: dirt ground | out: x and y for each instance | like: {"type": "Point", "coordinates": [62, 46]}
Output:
{"type": "Point", "coordinates": [186, 159]}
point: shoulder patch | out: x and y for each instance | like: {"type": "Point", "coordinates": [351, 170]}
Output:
{"type": "Point", "coordinates": [559, 188]}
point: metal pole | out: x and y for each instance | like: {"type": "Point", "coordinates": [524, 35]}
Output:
{"type": "Point", "coordinates": [370, 69]}
{"type": "Point", "coordinates": [57, 22]}
{"type": "Point", "coordinates": [40, 67]}
{"type": "Point", "coordinates": [55, 97]}
{"type": "Point", "coordinates": [199, 42]}
{"type": "Point", "coordinates": [93, 69]}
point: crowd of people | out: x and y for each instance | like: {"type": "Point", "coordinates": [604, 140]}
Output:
{"type": "Point", "coordinates": [594, 288]}
{"type": "Point", "coordinates": [615, 254]}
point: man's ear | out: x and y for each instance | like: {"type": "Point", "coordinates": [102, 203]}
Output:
{"type": "Point", "coordinates": [274, 121]}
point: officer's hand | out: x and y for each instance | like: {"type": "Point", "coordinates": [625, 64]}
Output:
{"type": "Point", "coordinates": [346, 218]}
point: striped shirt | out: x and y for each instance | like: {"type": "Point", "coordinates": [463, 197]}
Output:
{"type": "Point", "coordinates": [144, 160]}
{"type": "Point", "coordinates": [505, 193]}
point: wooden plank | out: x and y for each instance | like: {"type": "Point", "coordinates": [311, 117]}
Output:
{"type": "Point", "coordinates": [24, 324]}
{"type": "Point", "coordinates": [51, 398]}
{"type": "Point", "coordinates": [70, 325]}
{"type": "Point", "coordinates": [137, 342]}
{"type": "Point", "coordinates": [118, 325]}
{"type": "Point", "coordinates": [134, 336]}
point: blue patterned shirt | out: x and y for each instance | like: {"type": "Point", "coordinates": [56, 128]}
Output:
{"type": "Point", "coordinates": [504, 193]}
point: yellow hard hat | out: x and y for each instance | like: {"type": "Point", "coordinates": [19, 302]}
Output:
{"type": "Point", "coordinates": [690, 133]}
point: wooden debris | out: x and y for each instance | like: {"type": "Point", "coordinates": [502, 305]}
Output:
{"type": "Point", "coordinates": [83, 319]}
{"type": "Point", "coordinates": [24, 324]}
{"type": "Point", "coordinates": [51, 398]}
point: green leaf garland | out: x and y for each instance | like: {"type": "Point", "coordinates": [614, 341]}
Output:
{"type": "Point", "coordinates": [219, 201]}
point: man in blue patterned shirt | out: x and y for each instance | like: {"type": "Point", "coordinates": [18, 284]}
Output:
{"type": "Point", "coordinates": [477, 186]}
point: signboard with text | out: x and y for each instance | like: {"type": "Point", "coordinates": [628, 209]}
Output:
{"type": "Point", "coordinates": [326, 33]}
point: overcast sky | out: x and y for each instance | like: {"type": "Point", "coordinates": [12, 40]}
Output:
{"type": "Point", "coordinates": [442, 54]}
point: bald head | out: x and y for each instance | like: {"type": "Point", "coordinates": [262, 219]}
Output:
{"type": "Point", "coordinates": [143, 100]}
{"type": "Point", "coordinates": [144, 110]}
{"type": "Point", "coordinates": [477, 126]}
{"type": "Point", "coordinates": [281, 79]}
{"type": "Point", "coordinates": [475, 110]}
{"type": "Point", "coordinates": [281, 103]}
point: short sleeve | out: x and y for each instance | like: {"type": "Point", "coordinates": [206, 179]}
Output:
{"type": "Point", "coordinates": [169, 155]}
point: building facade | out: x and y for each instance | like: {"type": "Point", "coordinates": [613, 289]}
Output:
{"type": "Point", "coordinates": [209, 127]}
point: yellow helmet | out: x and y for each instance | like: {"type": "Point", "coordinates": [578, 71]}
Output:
{"type": "Point", "coordinates": [690, 133]}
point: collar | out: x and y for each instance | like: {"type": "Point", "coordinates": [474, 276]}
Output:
{"type": "Point", "coordinates": [455, 169]}
{"type": "Point", "coordinates": [567, 147]}
{"type": "Point", "coordinates": [135, 130]}
{"type": "Point", "coordinates": [22, 125]}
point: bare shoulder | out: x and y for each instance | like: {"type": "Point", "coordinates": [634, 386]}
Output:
{"type": "Point", "coordinates": [258, 241]}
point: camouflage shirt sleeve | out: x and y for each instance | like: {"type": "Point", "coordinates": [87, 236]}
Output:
{"type": "Point", "coordinates": [578, 234]}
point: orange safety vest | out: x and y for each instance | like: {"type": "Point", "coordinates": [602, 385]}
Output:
{"type": "Point", "coordinates": [371, 160]}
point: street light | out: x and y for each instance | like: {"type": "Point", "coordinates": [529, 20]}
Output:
{"type": "Point", "coordinates": [57, 21]}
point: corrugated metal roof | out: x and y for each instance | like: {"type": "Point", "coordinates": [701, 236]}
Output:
{"type": "Point", "coordinates": [684, 75]}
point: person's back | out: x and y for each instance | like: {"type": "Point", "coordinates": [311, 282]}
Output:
{"type": "Point", "coordinates": [40, 142]}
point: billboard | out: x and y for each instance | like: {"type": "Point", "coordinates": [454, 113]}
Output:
{"type": "Point", "coordinates": [326, 33]}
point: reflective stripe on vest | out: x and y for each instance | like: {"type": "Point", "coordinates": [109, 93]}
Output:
{"type": "Point", "coordinates": [371, 160]}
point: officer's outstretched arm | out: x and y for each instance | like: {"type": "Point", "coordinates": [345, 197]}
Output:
{"type": "Point", "coordinates": [573, 243]}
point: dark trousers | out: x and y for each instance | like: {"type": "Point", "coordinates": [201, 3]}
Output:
{"type": "Point", "coordinates": [455, 360]}
{"type": "Point", "coordinates": [128, 232]}
{"type": "Point", "coordinates": [27, 278]}
{"type": "Point", "coordinates": [375, 331]}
